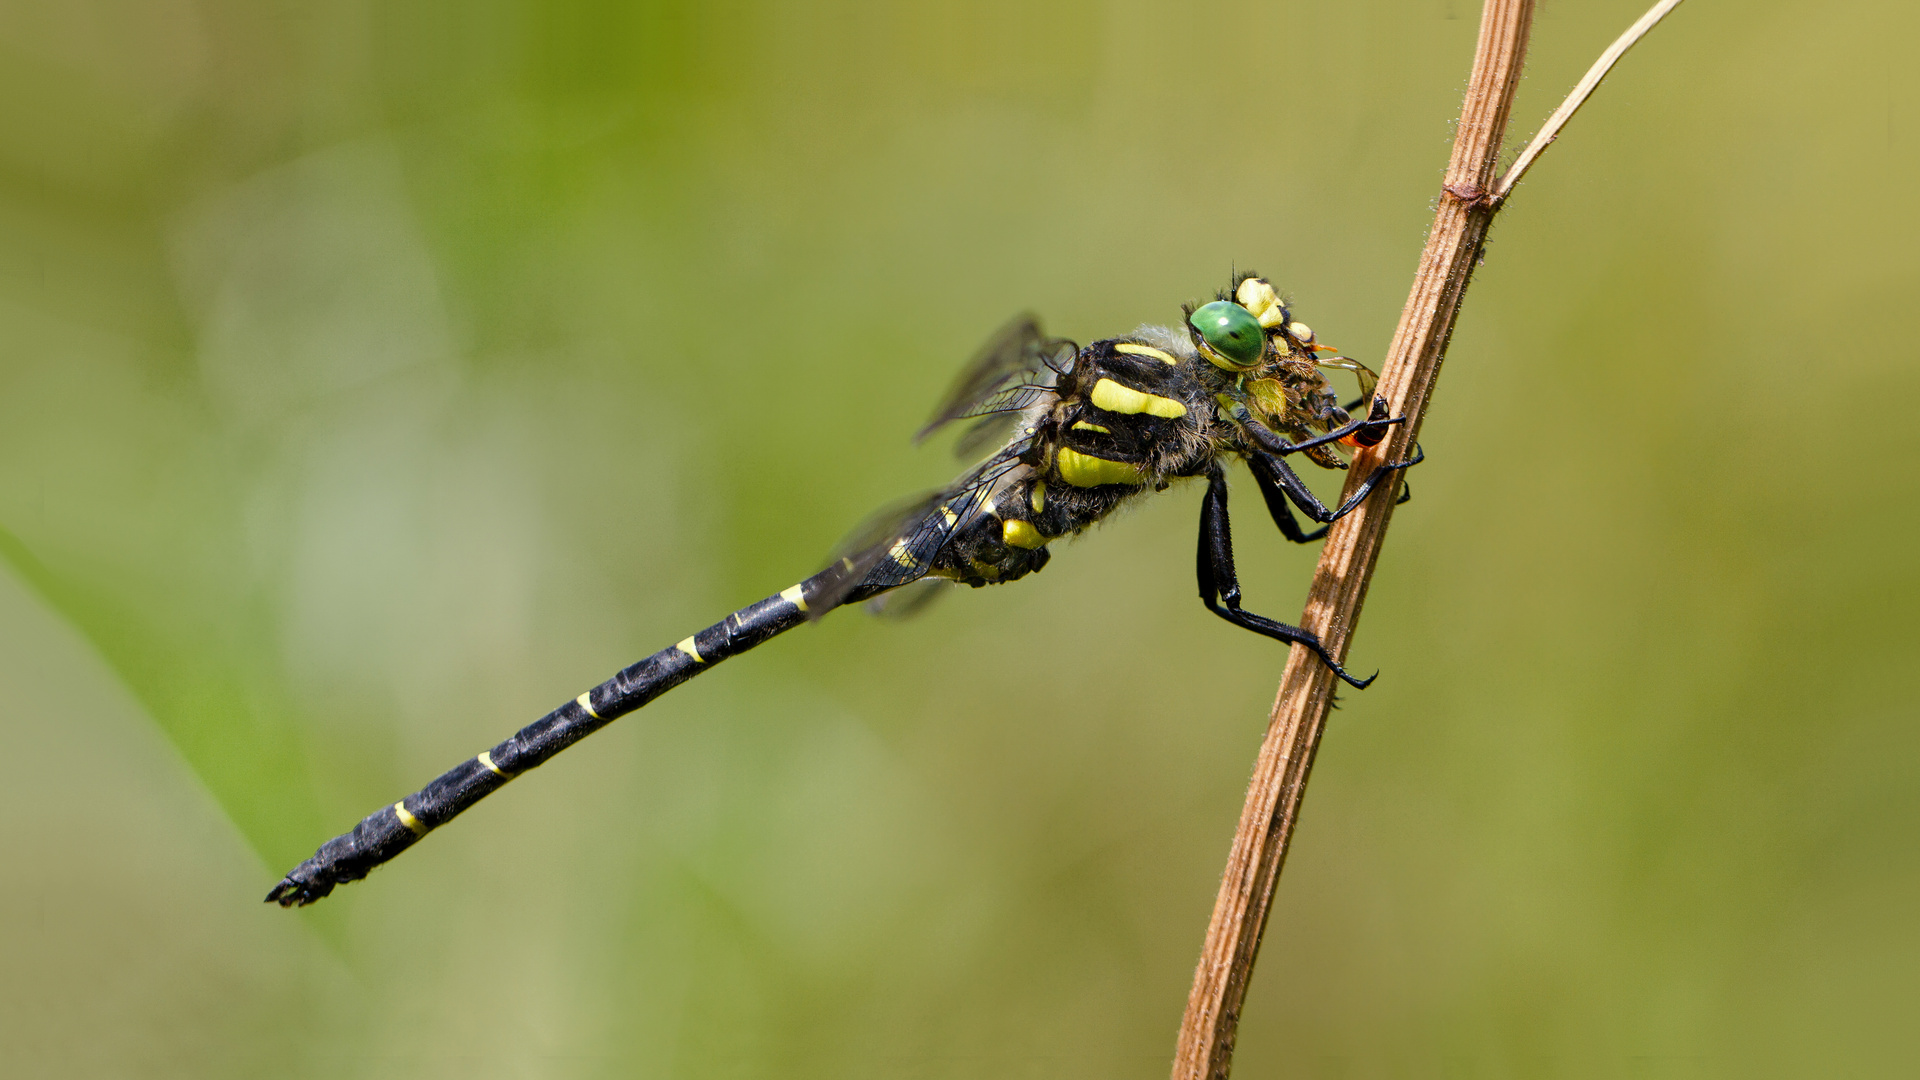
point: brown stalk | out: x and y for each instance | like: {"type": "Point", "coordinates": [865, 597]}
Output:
{"type": "Point", "coordinates": [1468, 200]}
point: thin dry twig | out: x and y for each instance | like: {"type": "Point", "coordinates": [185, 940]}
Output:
{"type": "Point", "coordinates": [1469, 198]}
{"type": "Point", "coordinates": [1577, 97]}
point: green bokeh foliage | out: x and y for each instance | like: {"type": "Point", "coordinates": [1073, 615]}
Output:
{"type": "Point", "coordinates": [375, 376]}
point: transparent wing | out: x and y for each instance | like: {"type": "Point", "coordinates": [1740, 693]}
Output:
{"type": "Point", "coordinates": [1015, 369]}
{"type": "Point", "coordinates": [1366, 376]}
{"type": "Point", "coordinates": [899, 544]}
{"type": "Point", "coordinates": [995, 427]}
{"type": "Point", "coordinates": [909, 600]}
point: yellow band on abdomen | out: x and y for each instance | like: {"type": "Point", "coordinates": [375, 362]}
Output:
{"type": "Point", "coordinates": [414, 825]}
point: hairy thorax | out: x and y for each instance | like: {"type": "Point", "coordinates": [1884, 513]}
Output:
{"type": "Point", "coordinates": [1129, 417]}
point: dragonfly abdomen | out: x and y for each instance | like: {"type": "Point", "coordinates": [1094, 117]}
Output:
{"type": "Point", "coordinates": [392, 829]}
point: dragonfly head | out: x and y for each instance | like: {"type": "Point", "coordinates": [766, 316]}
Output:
{"type": "Point", "coordinates": [1228, 335]}
{"type": "Point", "coordinates": [1233, 334]}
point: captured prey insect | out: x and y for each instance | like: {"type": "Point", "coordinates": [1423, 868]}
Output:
{"type": "Point", "coordinates": [1079, 431]}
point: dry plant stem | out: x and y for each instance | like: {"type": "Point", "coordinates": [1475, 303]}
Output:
{"type": "Point", "coordinates": [1346, 563]}
{"type": "Point", "coordinates": [1469, 198]}
{"type": "Point", "coordinates": [1581, 92]}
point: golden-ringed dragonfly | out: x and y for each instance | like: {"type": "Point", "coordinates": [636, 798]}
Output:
{"type": "Point", "coordinates": [1076, 432]}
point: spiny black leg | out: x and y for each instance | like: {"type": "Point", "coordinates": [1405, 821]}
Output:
{"type": "Point", "coordinates": [1277, 477]}
{"type": "Point", "coordinates": [1366, 486]}
{"type": "Point", "coordinates": [1374, 426]}
{"type": "Point", "coordinates": [1275, 494]}
{"type": "Point", "coordinates": [1220, 586]}
{"type": "Point", "coordinates": [1278, 481]}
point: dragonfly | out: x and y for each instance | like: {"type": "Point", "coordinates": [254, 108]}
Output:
{"type": "Point", "coordinates": [1074, 433]}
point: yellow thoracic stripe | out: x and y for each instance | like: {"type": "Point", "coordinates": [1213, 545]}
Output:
{"type": "Point", "coordinates": [795, 596]}
{"type": "Point", "coordinates": [1116, 398]}
{"type": "Point", "coordinates": [486, 759]}
{"type": "Point", "coordinates": [1085, 470]}
{"type": "Point", "coordinates": [1038, 500]}
{"type": "Point", "coordinates": [688, 647]}
{"type": "Point", "coordinates": [414, 825]}
{"type": "Point", "coordinates": [585, 701]}
{"type": "Point", "coordinates": [1146, 350]}
{"type": "Point", "coordinates": [1082, 425]}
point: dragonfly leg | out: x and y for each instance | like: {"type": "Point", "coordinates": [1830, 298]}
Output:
{"type": "Point", "coordinates": [1220, 585]}
{"type": "Point", "coordinates": [1269, 472]}
{"type": "Point", "coordinates": [1278, 482]}
{"type": "Point", "coordinates": [1367, 432]}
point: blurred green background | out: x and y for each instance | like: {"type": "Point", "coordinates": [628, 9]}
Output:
{"type": "Point", "coordinates": [374, 377]}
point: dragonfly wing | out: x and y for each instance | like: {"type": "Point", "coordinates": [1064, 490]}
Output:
{"type": "Point", "coordinates": [1010, 373]}
{"type": "Point", "coordinates": [1361, 372]}
{"type": "Point", "coordinates": [909, 600]}
{"type": "Point", "coordinates": [899, 544]}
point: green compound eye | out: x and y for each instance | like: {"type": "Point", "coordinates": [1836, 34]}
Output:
{"type": "Point", "coordinates": [1231, 331]}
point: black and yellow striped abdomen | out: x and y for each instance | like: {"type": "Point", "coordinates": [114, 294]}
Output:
{"type": "Point", "coordinates": [392, 829]}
